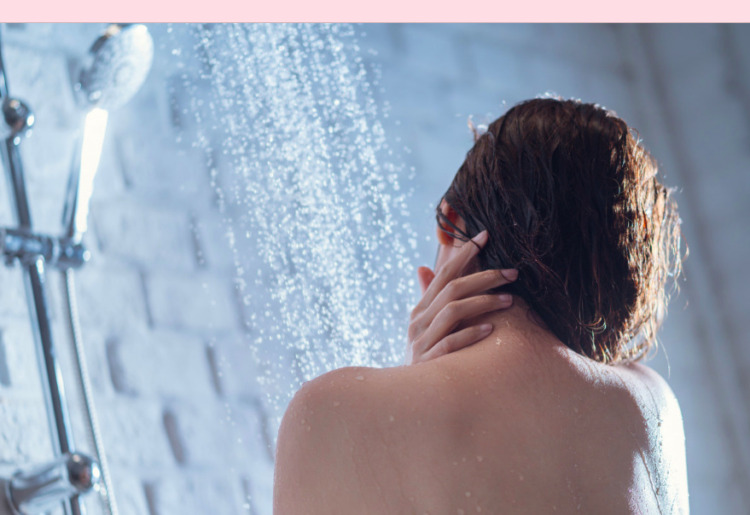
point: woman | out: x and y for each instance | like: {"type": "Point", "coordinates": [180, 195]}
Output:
{"type": "Point", "coordinates": [522, 393]}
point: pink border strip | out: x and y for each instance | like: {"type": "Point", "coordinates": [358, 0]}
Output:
{"type": "Point", "coordinates": [379, 11]}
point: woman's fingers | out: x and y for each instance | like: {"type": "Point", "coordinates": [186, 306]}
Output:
{"type": "Point", "coordinates": [456, 312]}
{"type": "Point", "coordinates": [439, 323]}
{"type": "Point", "coordinates": [458, 341]}
{"type": "Point", "coordinates": [453, 268]}
{"type": "Point", "coordinates": [469, 286]}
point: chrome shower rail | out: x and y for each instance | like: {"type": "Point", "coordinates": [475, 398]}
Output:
{"type": "Point", "coordinates": [124, 52]}
{"type": "Point", "coordinates": [34, 270]}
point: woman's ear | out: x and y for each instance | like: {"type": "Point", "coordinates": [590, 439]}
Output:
{"type": "Point", "coordinates": [443, 237]}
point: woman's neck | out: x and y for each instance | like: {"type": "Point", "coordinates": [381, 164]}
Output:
{"type": "Point", "coordinates": [519, 322]}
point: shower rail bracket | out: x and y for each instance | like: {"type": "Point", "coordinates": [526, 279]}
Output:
{"type": "Point", "coordinates": [26, 247]}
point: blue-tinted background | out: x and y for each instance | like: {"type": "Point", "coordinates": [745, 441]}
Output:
{"type": "Point", "coordinates": [167, 302]}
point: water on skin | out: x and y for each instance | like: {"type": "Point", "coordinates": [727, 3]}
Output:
{"type": "Point", "coordinates": [311, 199]}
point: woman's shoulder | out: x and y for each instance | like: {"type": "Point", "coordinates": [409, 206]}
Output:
{"type": "Point", "coordinates": [405, 407]}
{"type": "Point", "coordinates": [640, 401]}
{"type": "Point", "coordinates": [319, 453]}
{"type": "Point", "coordinates": [346, 431]}
{"type": "Point", "coordinates": [369, 392]}
{"type": "Point", "coordinates": [651, 394]}
{"type": "Point", "coordinates": [357, 396]}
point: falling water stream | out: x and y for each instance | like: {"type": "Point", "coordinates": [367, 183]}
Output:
{"type": "Point", "coordinates": [310, 195]}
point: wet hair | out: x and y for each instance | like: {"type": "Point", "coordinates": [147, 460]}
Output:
{"type": "Point", "coordinates": [570, 198]}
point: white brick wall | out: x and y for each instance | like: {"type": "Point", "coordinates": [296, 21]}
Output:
{"type": "Point", "coordinates": [201, 492]}
{"type": "Point", "coordinates": [170, 355]}
{"type": "Point", "coordinates": [19, 357]}
{"type": "Point", "coordinates": [145, 235]}
{"type": "Point", "coordinates": [24, 436]}
{"type": "Point", "coordinates": [125, 305]}
{"type": "Point", "coordinates": [198, 301]}
{"type": "Point", "coordinates": [12, 302]}
{"type": "Point", "coordinates": [133, 430]}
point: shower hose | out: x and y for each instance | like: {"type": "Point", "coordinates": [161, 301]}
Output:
{"type": "Point", "coordinates": [84, 381]}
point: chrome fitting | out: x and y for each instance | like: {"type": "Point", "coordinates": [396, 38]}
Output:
{"type": "Point", "coordinates": [41, 488]}
{"type": "Point", "coordinates": [18, 118]}
{"type": "Point", "coordinates": [61, 253]}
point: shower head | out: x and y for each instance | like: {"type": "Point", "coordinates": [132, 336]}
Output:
{"type": "Point", "coordinates": [119, 62]}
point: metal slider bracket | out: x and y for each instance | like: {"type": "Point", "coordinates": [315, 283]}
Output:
{"type": "Point", "coordinates": [26, 247]}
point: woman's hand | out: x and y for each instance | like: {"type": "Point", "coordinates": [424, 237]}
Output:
{"type": "Point", "coordinates": [449, 299]}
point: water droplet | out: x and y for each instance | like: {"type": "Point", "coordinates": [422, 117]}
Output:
{"type": "Point", "coordinates": [391, 418]}
{"type": "Point", "coordinates": [468, 494]}
{"type": "Point", "coordinates": [336, 404]}
{"type": "Point", "coordinates": [460, 512]}
{"type": "Point", "coordinates": [520, 477]}
{"type": "Point", "coordinates": [480, 458]}
{"type": "Point", "coordinates": [360, 378]}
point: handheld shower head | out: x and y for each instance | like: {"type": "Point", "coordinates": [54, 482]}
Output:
{"type": "Point", "coordinates": [119, 62]}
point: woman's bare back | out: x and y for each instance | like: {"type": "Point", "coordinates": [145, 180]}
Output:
{"type": "Point", "coordinates": [510, 425]}
{"type": "Point", "coordinates": [548, 431]}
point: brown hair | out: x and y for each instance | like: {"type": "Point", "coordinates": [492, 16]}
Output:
{"type": "Point", "coordinates": [570, 199]}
